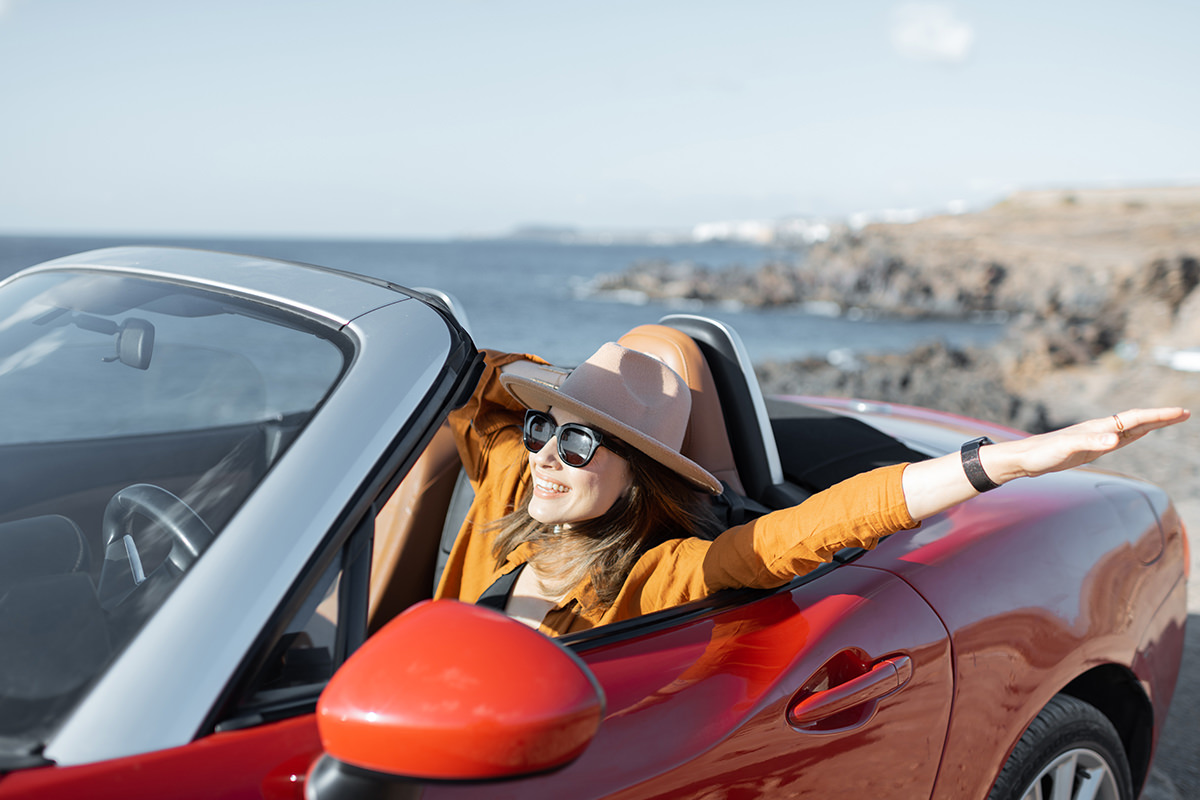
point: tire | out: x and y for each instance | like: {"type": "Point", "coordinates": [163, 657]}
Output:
{"type": "Point", "coordinates": [1069, 744]}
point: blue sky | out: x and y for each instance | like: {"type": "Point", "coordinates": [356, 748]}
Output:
{"type": "Point", "coordinates": [416, 120]}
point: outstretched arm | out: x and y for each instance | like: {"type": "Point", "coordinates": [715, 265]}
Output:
{"type": "Point", "coordinates": [933, 486]}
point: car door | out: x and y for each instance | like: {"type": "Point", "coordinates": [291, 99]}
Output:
{"type": "Point", "coordinates": [263, 742]}
{"type": "Point", "coordinates": [839, 685]}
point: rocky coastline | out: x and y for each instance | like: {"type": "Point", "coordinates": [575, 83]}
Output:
{"type": "Point", "coordinates": [1099, 287]}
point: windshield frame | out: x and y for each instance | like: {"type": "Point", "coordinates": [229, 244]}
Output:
{"type": "Point", "coordinates": [304, 493]}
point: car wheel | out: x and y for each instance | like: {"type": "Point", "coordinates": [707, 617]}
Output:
{"type": "Point", "coordinates": [1069, 751]}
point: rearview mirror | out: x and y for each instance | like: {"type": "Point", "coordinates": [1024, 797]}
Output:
{"type": "Point", "coordinates": [451, 691]}
{"type": "Point", "coordinates": [135, 343]}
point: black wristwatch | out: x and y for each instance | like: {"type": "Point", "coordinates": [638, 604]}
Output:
{"type": "Point", "coordinates": [970, 461]}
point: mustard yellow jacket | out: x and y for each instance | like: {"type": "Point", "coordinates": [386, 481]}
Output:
{"type": "Point", "coordinates": [764, 553]}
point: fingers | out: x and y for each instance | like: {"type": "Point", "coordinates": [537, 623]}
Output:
{"type": "Point", "coordinates": [1083, 443]}
{"type": "Point", "coordinates": [1126, 427]}
{"type": "Point", "coordinates": [1137, 422]}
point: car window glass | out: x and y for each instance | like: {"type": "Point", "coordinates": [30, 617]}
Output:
{"type": "Point", "coordinates": [138, 417]}
{"type": "Point", "coordinates": [328, 625]}
{"type": "Point", "coordinates": [305, 653]}
{"type": "Point", "coordinates": [182, 360]}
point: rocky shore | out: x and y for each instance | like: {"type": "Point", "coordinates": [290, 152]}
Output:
{"type": "Point", "coordinates": [1099, 288]}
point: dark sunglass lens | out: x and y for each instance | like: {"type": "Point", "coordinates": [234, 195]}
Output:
{"type": "Point", "coordinates": [539, 430]}
{"type": "Point", "coordinates": [575, 446]}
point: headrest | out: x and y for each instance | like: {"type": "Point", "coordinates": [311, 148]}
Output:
{"type": "Point", "coordinates": [706, 441]}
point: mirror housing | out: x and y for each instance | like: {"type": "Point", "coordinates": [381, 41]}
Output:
{"type": "Point", "coordinates": [452, 691]}
{"type": "Point", "coordinates": [135, 343]}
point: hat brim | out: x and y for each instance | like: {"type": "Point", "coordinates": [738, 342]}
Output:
{"type": "Point", "coordinates": [541, 397]}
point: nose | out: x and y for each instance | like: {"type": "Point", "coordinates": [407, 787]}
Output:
{"type": "Point", "coordinates": [548, 455]}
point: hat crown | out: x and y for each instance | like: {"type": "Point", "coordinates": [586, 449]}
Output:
{"type": "Point", "coordinates": [627, 394]}
{"type": "Point", "coordinates": [635, 388]}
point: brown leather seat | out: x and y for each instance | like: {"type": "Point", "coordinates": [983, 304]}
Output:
{"type": "Point", "coordinates": [407, 531]}
{"type": "Point", "coordinates": [706, 441]}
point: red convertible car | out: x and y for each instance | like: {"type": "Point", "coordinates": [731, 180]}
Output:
{"type": "Point", "coordinates": [225, 487]}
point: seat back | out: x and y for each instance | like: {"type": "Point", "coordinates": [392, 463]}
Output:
{"type": "Point", "coordinates": [747, 423]}
{"type": "Point", "coordinates": [41, 546]}
{"type": "Point", "coordinates": [406, 531]}
{"type": "Point", "coordinates": [706, 441]}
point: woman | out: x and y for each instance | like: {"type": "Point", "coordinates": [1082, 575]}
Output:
{"type": "Point", "coordinates": [586, 513]}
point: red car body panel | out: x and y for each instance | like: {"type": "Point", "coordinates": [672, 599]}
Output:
{"type": "Point", "coordinates": [269, 762]}
{"type": "Point", "coordinates": [698, 705]}
{"type": "Point", "coordinates": [1018, 644]}
{"type": "Point", "coordinates": [704, 705]}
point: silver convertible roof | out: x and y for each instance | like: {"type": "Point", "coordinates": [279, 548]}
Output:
{"type": "Point", "coordinates": [330, 295]}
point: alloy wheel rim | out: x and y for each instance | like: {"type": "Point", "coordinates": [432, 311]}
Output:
{"type": "Point", "coordinates": [1079, 774]}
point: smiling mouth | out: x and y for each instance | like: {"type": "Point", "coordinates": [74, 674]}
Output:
{"type": "Point", "coordinates": [548, 487]}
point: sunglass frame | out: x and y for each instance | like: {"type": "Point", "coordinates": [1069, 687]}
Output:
{"type": "Point", "coordinates": [596, 437]}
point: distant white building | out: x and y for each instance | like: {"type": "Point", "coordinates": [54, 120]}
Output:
{"type": "Point", "coordinates": [755, 231]}
{"type": "Point", "coordinates": [763, 232]}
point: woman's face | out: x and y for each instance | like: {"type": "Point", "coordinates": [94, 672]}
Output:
{"type": "Point", "coordinates": [563, 494]}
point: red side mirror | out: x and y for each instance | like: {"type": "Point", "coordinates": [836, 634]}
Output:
{"type": "Point", "coordinates": [450, 691]}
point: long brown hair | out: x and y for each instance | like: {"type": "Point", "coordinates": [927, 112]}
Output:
{"type": "Point", "coordinates": [659, 506]}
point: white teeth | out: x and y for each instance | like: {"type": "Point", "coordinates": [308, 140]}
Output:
{"type": "Point", "coordinates": [547, 486]}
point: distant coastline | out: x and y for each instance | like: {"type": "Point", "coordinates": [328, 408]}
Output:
{"type": "Point", "coordinates": [1099, 287]}
{"type": "Point", "coordinates": [1098, 290]}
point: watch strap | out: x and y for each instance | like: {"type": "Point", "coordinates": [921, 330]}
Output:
{"type": "Point", "coordinates": [972, 466]}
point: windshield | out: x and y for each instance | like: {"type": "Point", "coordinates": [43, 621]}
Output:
{"type": "Point", "coordinates": [138, 416]}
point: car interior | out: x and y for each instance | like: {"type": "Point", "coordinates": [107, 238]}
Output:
{"type": "Point", "coordinates": [107, 502]}
{"type": "Point", "coordinates": [74, 586]}
{"type": "Point", "coordinates": [767, 454]}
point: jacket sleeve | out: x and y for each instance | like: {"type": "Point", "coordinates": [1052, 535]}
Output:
{"type": "Point", "coordinates": [775, 548]}
{"type": "Point", "coordinates": [487, 433]}
{"type": "Point", "coordinates": [490, 411]}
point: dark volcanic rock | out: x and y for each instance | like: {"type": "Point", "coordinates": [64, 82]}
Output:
{"type": "Point", "coordinates": [1095, 283]}
{"type": "Point", "coordinates": [1080, 272]}
{"type": "Point", "coordinates": [970, 382]}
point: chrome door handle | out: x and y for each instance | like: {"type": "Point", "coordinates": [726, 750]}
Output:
{"type": "Point", "coordinates": [881, 680]}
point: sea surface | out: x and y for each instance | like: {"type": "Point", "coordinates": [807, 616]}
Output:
{"type": "Point", "coordinates": [534, 296]}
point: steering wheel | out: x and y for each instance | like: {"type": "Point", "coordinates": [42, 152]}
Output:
{"type": "Point", "coordinates": [189, 533]}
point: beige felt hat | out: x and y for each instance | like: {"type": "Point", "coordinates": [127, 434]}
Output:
{"type": "Point", "coordinates": [630, 395]}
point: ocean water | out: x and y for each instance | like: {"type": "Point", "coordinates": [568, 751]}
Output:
{"type": "Point", "coordinates": [534, 296]}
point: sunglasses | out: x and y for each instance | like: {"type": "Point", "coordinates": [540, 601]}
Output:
{"type": "Point", "coordinates": [576, 443]}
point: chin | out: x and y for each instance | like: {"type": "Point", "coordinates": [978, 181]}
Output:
{"type": "Point", "coordinates": [546, 516]}
{"type": "Point", "coordinates": [552, 517]}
